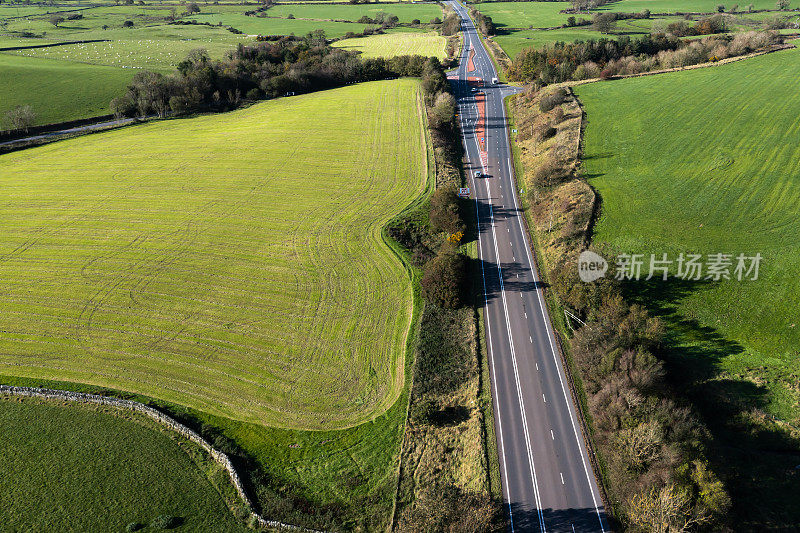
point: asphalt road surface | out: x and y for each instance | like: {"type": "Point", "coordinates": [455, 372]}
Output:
{"type": "Point", "coordinates": [547, 478]}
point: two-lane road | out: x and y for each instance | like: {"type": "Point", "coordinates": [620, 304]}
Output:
{"type": "Point", "coordinates": [546, 474]}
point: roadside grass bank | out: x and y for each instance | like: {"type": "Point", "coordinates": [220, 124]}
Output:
{"type": "Point", "coordinates": [449, 479]}
{"type": "Point", "coordinates": [651, 449]}
{"type": "Point", "coordinates": [60, 455]}
{"type": "Point", "coordinates": [731, 345]}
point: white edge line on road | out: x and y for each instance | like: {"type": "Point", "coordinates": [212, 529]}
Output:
{"type": "Point", "coordinates": [491, 359]}
{"type": "Point", "coordinates": [511, 342]}
{"type": "Point", "coordinates": [546, 318]}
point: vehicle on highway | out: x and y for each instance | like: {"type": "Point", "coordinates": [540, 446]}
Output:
{"type": "Point", "coordinates": [478, 174]}
{"type": "Point", "coordinates": [494, 81]}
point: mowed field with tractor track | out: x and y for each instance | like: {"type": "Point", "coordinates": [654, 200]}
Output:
{"type": "Point", "coordinates": [428, 44]}
{"type": "Point", "coordinates": [232, 263]}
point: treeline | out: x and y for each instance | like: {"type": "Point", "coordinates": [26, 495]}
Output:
{"type": "Point", "coordinates": [263, 70]}
{"type": "Point", "coordinates": [604, 58]}
{"type": "Point", "coordinates": [483, 22]}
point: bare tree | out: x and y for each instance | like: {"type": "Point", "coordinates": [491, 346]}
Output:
{"type": "Point", "coordinates": [21, 117]}
{"type": "Point", "coordinates": [664, 510]}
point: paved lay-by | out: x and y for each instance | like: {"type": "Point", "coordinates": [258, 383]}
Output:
{"type": "Point", "coordinates": [546, 474]}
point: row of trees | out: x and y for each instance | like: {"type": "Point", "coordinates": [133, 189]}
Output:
{"type": "Point", "coordinates": [262, 70]}
{"type": "Point", "coordinates": [483, 22]}
{"type": "Point", "coordinates": [605, 58]}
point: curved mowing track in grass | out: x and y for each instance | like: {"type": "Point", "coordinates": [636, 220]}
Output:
{"type": "Point", "coordinates": [230, 263]}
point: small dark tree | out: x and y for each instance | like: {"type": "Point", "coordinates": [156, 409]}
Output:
{"type": "Point", "coordinates": [55, 20]}
{"type": "Point", "coordinates": [127, 24]}
{"type": "Point", "coordinates": [604, 22]}
{"type": "Point", "coordinates": [445, 214]}
{"type": "Point", "coordinates": [721, 8]}
{"type": "Point", "coordinates": [192, 8]}
{"type": "Point", "coordinates": [443, 280]}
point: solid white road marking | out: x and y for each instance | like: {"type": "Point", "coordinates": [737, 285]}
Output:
{"type": "Point", "coordinates": [555, 359]}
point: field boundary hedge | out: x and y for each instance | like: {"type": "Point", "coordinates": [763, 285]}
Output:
{"type": "Point", "coordinates": [168, 422]}
{"type": "Point", "coordinates": [773, 48]}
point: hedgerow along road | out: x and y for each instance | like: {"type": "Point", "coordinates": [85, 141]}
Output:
{"type": "Point", "coordinates": [547, 478]}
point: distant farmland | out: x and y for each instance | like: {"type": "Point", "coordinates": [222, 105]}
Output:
{"type": "Point", "coordinates": [230, 263]}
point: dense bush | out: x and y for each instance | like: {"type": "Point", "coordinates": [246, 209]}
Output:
{"type": "Point", "coordinates": [446, 212]}
{"type": "Point", "coordinates": [650, 442]}
{"type": "Point", "coordinates": [550, 100]}
{"type": "Point", "coordinates": [164, 521]}
{"type": "Point", "coordinates": [444, 280]}
{"type": "Point", "coordinates": [483, 22]}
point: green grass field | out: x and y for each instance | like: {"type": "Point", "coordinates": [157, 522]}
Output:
{"type": "Point", "coordinates": [405, 12]}
{"type": "Point", "coordinates": [395, 44]}
{"type": "Point", "coordinates": [278, 26]}
{"type": "Point", "coordinates": [726, 179]}
{"type": "Point", "coordinates": [230, 263]}
{"type": "Point", "coordinates": [525, 14]}
{"type": "Point", "coordinates": [58, 91]}
{"type": "Point", "coordinates": [57, 460]}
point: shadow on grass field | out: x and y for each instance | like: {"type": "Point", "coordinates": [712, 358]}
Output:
{"type": "Point", "coordinates": [759, 457]}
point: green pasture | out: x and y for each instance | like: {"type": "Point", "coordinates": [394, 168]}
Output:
{"type": "Point", "coordinates": [69, 467]}
{"type": "Point", "coordinates": [277, 26]}
{"type": "Point", "coordinates": [406, 12]}
{"type": "Point", "coordinates": [396, 44]}
{"type": "Point", "coordinates": [525, 14]}
{"type": "Point", "coordinates": [726, 181]}
{"type": "Point", "coordinates": [58, 91]}
{"type": "Point", "coordinates": [230, 263]}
